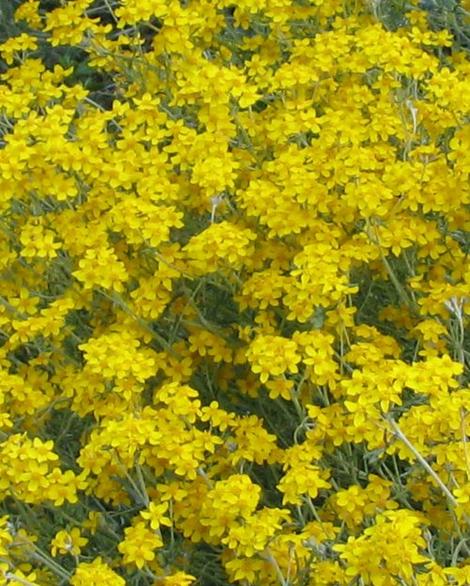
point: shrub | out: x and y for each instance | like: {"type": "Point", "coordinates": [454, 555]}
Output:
{"type": "Point", "coordinates": [234, 293]}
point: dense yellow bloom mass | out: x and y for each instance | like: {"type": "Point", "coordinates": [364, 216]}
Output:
{"type": "Point", "coordinates": [234, 292]}
{"type": "Point", "coordinates": [272, 355]}
{"type": "Point", "coordinates": [95, 573]}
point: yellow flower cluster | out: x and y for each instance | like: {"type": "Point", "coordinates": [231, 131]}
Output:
{"type": "Point", "coordinates": [234, 293]}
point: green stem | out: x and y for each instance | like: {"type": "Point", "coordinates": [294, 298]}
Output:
{"type": "Point", "coordinates": [312, 508]}
{"type": "Point", "coordinates": [50, 563]}
{"type": "Point", "coordinates": [272, 560]}
{"type": "Point", "coordinates": [399, 433]}
{"type": "Point", "coordinates": [13, 578]}
{"type": "Point", "coordinates": [143, 488]}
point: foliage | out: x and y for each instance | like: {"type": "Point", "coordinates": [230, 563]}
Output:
{"type": "Point", "coordinates": [234, 293]}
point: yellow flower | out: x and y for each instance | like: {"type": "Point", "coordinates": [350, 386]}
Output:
{"type": "Point", "coordinates": [156, 515]}
{"type": "Point", "coordinates": [66, 542]}
{"type": "Point", "coordinates": [220, 245]}
{"type": "Point", "coordinates": [280, 388]}
{"type": "Point", "coordinates": [302, 480]}
{"type": "Point", "coordinates": [236, 497]}
{"type": "Point", "coordinates": [38, 242]}
{"type": "Point", "coordinates": [461, 575]}
{"type": "Point", "coordinates": [139, 545]}
{"type": "Point", "coordinates": [22, 42]}
{"type": "Point", "coordinates": [101, 268]}
{"type": "Point", "coordinates": [272, 356]}
{"type": "Point", "coordinates": [385, 550]}
{"type": "Point", "coordinates": [252, 535]}
{"type": "Point", "coordinates": [178, 579]}
{"type": "Point", "coordinates": [29, 11]}
{"type": "Point", "coordinates": [95, 573]}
